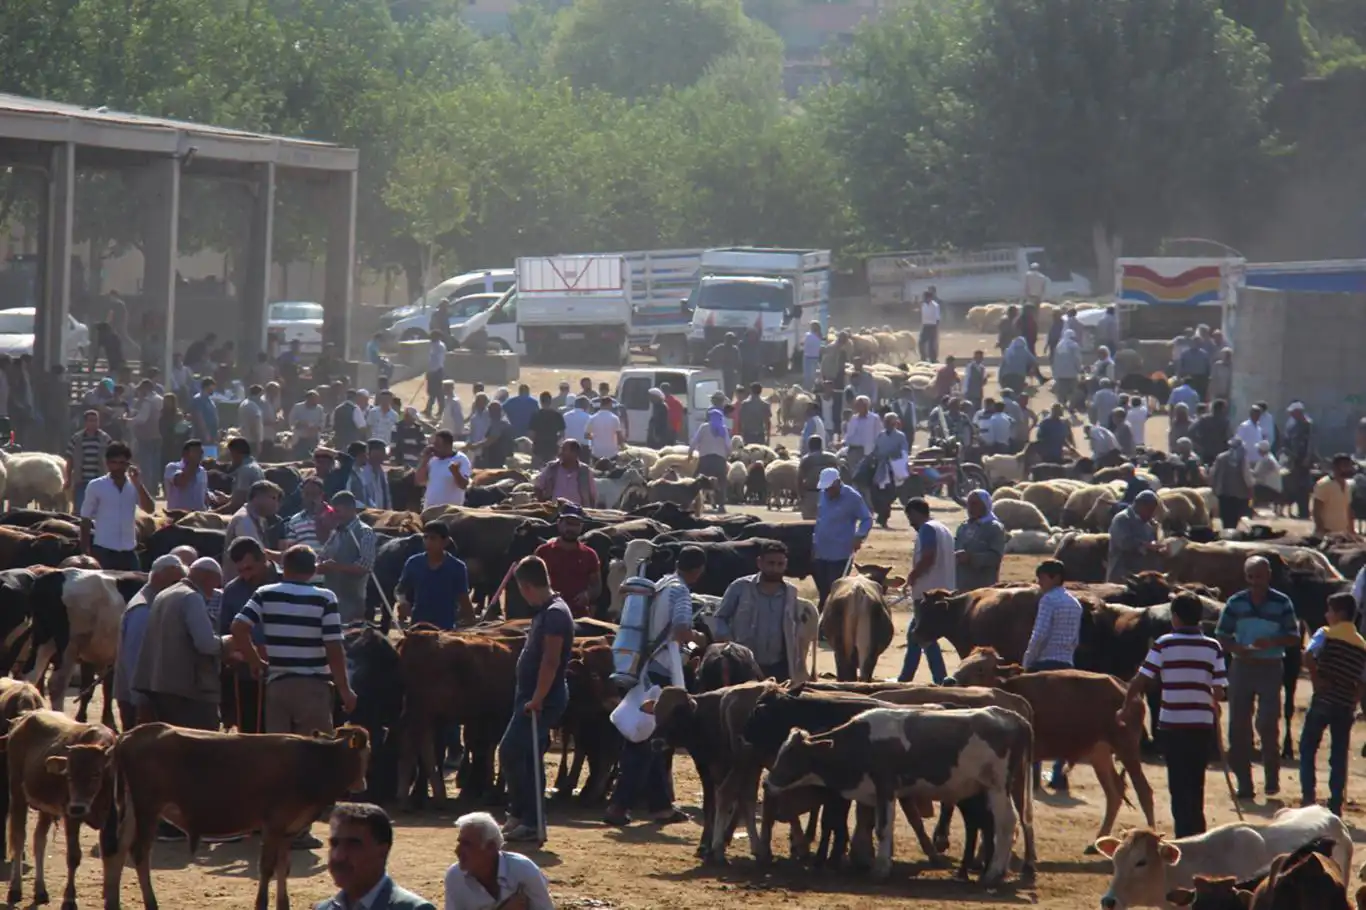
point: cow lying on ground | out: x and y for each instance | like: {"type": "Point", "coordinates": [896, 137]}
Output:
{"type": "Point", "coordinates": [946, 755]}
{"type": "Point", "coordinates": [60, 767]}
{"type": "Point", "coordinates": [1318, 883]}
{"type": "Point", "coordinates": [276, 783]}
{"type": "Point", "coordinates": [1147, 868]}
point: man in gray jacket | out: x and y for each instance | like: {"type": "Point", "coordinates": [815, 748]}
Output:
{"type": "Point", "coordinates": [178, 668]}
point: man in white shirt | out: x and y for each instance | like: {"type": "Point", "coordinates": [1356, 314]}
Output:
{"type": "Point", "coordinates": [1035, 284]}
{"type": "Point", "coordinates": [811, 355]}
{"type": "Point", "coordinates": [1137, 418]}
{"type": "Point", "coordinates": [486, 876]}
{"type": "Point", "coordinates": [436, 375]}
{"type": "Point", "coordinates": [576, 420]}
{"type": "Point", "coordinates": [1267, 424]}
{"type": "Point", "coordinates": [443, 471]}
{"type": "Point", "coordinates": [929, 327]}
{"type": "Point", "coordinates": [999, 430]}
{"type": "Point", "coordinates": [1250, 431]}
{"type": "Point", "coordinates": [862, 429]}
{"type": "Point", "coordinates": [109, 512]}
{"type": "Point", "coordinates": [1103, 442]}
{"type": "Point", "coordinates": [605, 436]}
{"type": "Point", "coordinates": [382, 418]}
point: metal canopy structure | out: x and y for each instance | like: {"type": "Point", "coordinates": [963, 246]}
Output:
{"type": "Point", "coordinates": [55, 138]}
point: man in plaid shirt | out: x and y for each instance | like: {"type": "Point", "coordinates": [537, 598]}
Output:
{"type": "Point", "coordinates": [1057, 629]}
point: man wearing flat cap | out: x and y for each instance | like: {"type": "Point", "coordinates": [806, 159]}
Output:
{"type": "Point", "coordinates": [178, 667]}
{"type": "Point", "coordinates": [347, 558]}
{"type": "Point", "coordinates": [1133, 539]}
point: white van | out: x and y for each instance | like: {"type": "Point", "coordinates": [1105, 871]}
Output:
{"type": "Point", "coordinates": [694, 387]}
{"type": "Point", "coordinates": [414, 316]}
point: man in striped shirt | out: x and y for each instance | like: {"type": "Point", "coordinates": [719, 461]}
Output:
{"type": "Point", "coordinates": [85, 457]}
{"type": "Point", "coordinates": [303, 648]}
{"type": "Point", "coordinates": [1336, 660]}
{"type": "Point", "coordinates": [1057, 630]}
{"type": "Point", "coordinates": [1188, 666]}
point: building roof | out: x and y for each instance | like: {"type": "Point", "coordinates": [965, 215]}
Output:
{"type": "Point", "coordinates": [52, 121]}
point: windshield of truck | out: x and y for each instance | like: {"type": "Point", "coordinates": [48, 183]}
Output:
{"type": "Point", "coordinates": [753, 296]}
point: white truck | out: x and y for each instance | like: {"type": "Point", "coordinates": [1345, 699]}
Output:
{"type": "Point", "coordinates": [777, 293]}
{"type": "Point", "coordinates": [896, 281]}
{"type": "Point", "coordinates": [658, 282]}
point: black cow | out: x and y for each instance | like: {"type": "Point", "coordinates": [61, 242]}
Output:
{"type": "Point", "coordinates": [372, 666]}
{"type": "Point", "coordinates": [797, 535]}
{"type": "Point", "coordinates": [206, 542]}
{"type": "Point", "coordinates": [710, 534]}
{"type": "Point", "coordinates": [725, 563]}
{"type": "Point", "coordinates": [725, 664]}
{"type": "Point", "coordinates": [284, 476]}
{"type": "Point", "coordinates": [16, 589]}
{"type": "Point", "coordinates": [27, 518]}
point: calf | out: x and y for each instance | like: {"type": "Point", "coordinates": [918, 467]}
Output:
{"type": "Point", "coordinates": [16, 698]}
{"type": "Point", "coordinates": [1075, 719]}
{"type": "Point", "coordinates": [726, 664]}
{"type": "Point", "coordinates": [587, 722]}
{"type": "Point", "coordinates": [60, 767]}
{"type": "Point", "coordinates": [1148, 868]}
{"type": "Point", "coordinates": [372, 666]}
{"type": "Point", "coordinates": [948, 755]}
{"type": "Point", "coordinates": [277, 783]}
{"type": "Point", "coordinates": [685, 493]}
{"type": "Point", "coordinates": [857, 623]}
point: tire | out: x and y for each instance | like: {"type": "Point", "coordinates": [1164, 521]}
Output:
{"type": "Point", "coordinates": [415, 335]}
{"type": "Point", "coordinates": [672, 351]}
{"type": "Point", "coordinates": [970, 477]}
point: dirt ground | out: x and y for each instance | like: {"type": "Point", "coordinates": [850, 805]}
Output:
{"type": "Point", "coordinates": [645, 866]}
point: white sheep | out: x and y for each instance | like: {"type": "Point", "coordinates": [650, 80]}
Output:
{"type": "Point", "coordinates": [1005, 493]}
{"type": "Point", "coordinates": [737, 475]}
{"type": "Point", "coordinates": [1030, 543]}
{"type": "Point", "coordinates": [1049, 497]}
{"type": "Point", "coordinates": [781, 479]}
{"type": "Point", "coordinates": [681, 464]}
{"type": "Point", "coordinates": [647, 457]}
{"type": "Point", "coordinates": [1018, 515]}
{"type": "Point", "coordinates": [35, 477]}
{"type": "Point", "coordinates": [1003, 469]}
{"type": "Point", "coordinates": [1080, 503]}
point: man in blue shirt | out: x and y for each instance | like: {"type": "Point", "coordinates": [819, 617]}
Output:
{"type": "Point", "coordinates": [842, 522]}
{"type": "Point", "coordinates": [519, 408]}
{"type": "Point", "coordinates": [204, 414]}
{"type": "Point", "coordinates": [1256, 627]}
{"type": "Point", "coordinates": [1184, 394]}
{"type": "Point", "coordinates": [1054, 435]}
{"type": "Point", "coordinates": [433, 582]}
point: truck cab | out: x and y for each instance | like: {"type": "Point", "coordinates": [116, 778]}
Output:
{"type": "Point", "coordinates": [691, 385]}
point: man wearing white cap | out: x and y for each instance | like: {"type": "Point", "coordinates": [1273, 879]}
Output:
{"type": "Point", "coordinates": [842, 522]}
{"type": "Point", "coordinates": [178, 667]}
{"type": "Point", "coordinates": [166, 571]}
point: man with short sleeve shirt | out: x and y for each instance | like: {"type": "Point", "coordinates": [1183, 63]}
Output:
{"type": "Point", "coordinates": [433, 582]}
{"type": "Point", "coordinates": [929, 327]}
{"type": "Point", "coordinates": [443, 471]}
{"type": "Point", "coordinates": [1256, 627]}
{"type": "Point", "coordinates": [812, 343]}
{"type": "Point", "coordinates": [85, 456]}
{"type": "Point", "coordinates": [186, 481]}
{"type": "Point", "coordinates": [304, 645]}
{"type": "Point", "coordinates": [109, 512]}
{"type": "Point", "coordinates": [576, 420]}
{"type": "Point", "coordinates": [756, 417]}
{"type": "Point", "coordinates": [604, 431]}
{"type": "Point", "coordinates": [933, 566]}
{"type": "Point", "coordinates": [546, 426]}
{"type": "Point", "coordinates": [575, 572]}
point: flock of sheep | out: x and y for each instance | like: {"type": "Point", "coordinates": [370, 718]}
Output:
{"type": "Point", "coordinates": [985, 318]}
{"type": "Point", "coordinates": [36, 477]}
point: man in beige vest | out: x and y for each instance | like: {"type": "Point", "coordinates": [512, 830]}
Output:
{"type": "Point", "coordinates": [178, 668]}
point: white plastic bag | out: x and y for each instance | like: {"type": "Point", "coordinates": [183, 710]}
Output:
{"type": "Point", "coordinates": [635, 724]}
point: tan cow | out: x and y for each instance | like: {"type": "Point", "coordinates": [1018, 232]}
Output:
{"type": "Point", "coordinates": [223, 784]}
{"type": "Point", "coordinates": [16, 699]}
{"type": "Point", "coordinates": [59, 767]}
{"type": "Point", "coordinates": [857, 623]}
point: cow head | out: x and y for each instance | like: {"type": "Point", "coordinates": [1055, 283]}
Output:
{"type": "Point", "coordinates": [937, 615]}
{"type": "Point", "coordinates": [1150, 588]}
{"type": "Point", "coordinates": [797, 762]}
{"type": "Point", "coordinates": [674, 711]}
{"type": "Point", "coordinates": [1140, 862]}
{"type": "Point", "coordinates": [86, 768]}
{"type": "Point", "coordinates": [882, 575]}
{"type": "Point", "coordinates": [589, 677]}
{"type": "Point", "coordinates": [357, 742]}
{"type": "Point", "coordinates": [984, 667]}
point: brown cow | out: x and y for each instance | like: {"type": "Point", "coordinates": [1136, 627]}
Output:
{"type": "Point", "coordinates": [1074, 720]}
{"type": "Point", "coordinates": [394, 522]}
{"type": "Point", "coordinates": [454, 678]}
{"type": "Point", "coordinates": [275, 782]}
{"type": "Point", "coordinates": [1084, 556]}
{"type": "Point", "coordinates": [1000, 618]}
{"type": "Point", "coordinates": [1221, 564]}
{"type": "Point", "coordinates": [487, 477]}
{"type": "Point", "coordinates": [587, 721]}
{"type": "Point", "coordinates": [856, 621]}
{"type": "Point", "coordinates": [60, 767]}
{"type": "Point", "coordinates": [16, 698]}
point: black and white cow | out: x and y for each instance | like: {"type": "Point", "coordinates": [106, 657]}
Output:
{"type": "Point", "coordinates": [885, 754]}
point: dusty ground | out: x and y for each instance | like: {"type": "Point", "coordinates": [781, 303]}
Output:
{"type": "Point", "coordinates": [647, 866]}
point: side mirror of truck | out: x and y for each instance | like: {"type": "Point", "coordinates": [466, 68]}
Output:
{"type": "Point", "coordinates": [685, 306]}
{"type": "Point", "coordinates": [790, 314]}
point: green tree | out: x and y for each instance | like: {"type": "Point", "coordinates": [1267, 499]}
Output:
{"type": "Point", "coordinates": [635, 48]}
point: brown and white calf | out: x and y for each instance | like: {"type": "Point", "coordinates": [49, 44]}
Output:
{"type": "Point", "coordinates": [61, 768]}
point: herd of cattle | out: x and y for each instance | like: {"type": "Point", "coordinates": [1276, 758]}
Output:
{"type": "Point", "coordinates": [824, 743]}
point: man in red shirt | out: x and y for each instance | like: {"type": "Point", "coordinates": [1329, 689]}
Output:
{"type": "Point", "coordinates": [675, 412]}
{"type": "Point", "coordinates": [575, 572]}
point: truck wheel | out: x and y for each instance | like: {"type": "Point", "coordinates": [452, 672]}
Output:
{"type": "Point", "coordinates": [672, 352]}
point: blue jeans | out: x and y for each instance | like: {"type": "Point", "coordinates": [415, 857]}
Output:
{"type": "Point", "coordinates": [810, 367]}
{"type": "Point", "coordinates": [933, 655]}
{"type": "Point", "coordinates": [644, 768]}
{"type": "Point", "coordinates": [78, 495]}
{"type": "Point", "coordinates": [1337, 720]}
{"type": "Point", "coordinates": [516, 758]}
{"type": "Point", "coordinates": [1059, 766]}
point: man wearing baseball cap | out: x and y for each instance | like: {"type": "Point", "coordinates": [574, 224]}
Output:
{"type": "Point", "coordinates": [575, 571]}
{"type": "Point", "coordinates": [842, 522]}
{"type": "Point", "coordinates": [347, 558]}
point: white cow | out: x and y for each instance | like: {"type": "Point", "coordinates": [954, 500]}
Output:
{"type": "Point", "coordinates": [614, 491]}
{"type": "Point", "coordinates": [94, 609]}
{"type": "Point", "coordinates": [1147, 868]}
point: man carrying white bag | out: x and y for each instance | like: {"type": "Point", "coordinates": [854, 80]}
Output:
{"type": "Point", "coordinates": [656, 619]}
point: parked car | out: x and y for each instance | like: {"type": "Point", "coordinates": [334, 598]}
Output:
{"type": "Point", "coordinates": [483, 281]}
{"type": "Point", "coordinates": [298, 320]}
{"type": "Point", "coordinates": [418, 324]}
{"type": "Point", "coordinates": [16, 334]}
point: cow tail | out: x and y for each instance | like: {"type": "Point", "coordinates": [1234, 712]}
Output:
{"type": "Point", "coordinates": [1027, 777]}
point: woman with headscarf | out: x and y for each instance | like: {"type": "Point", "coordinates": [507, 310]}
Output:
{"type": "Point", "coordinates": [710, 445]}
{"type": "Point", "coordinates": [979, 544]}
{"type": "Point", "coordinates": [1231, 480]}
{"type": "Point", "coordinates": [1016, 364]}
{"type": "Point", "coordinates": [1067, 370]}
{"type": "Point", "coordinates": [659, 432]}
{"type": "Point", "coordinates": [1267, 484]}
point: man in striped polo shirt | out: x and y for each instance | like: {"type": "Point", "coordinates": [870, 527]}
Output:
{"type": "Point", "coordinates": [85, 457]}
{"type": "Point", "coordinates": [1336, 660]}
{"type": "Point", "coordinates": [1188, 667]}
{"type": "Point", "coordinates": [303, 648]}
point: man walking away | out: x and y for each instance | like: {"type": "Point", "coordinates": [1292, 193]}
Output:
{"type": "Point", "coordinates": [726, 358]}
{"type": "Point", "coordinates": [546, 427]}
{"type": "Point", "coordinates": [1035, 285]}
{"type": "Point", "coordinates": [1336, 660]}
{"type": "Point", "coordinates": [1188, 667]}
{"type": "Point", "coordinates": [843, 521]}
{"type": "Point", "coordinates": [109, 512]}
{"type": "Point", "coordinates": [644, 768]}
{"type": "Point", "coordinates": [756, 417]}
{"type": "Point", "coordinates": [1057, 631]}
{"type": "Point", "coordinates": [933, 566]}
{"type": "Point", "coordinates": [540, 690]}
{"type": "Point", "coordinates": [1256, 627]}
{"type": "Point", "coordinates": [929, 327]}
